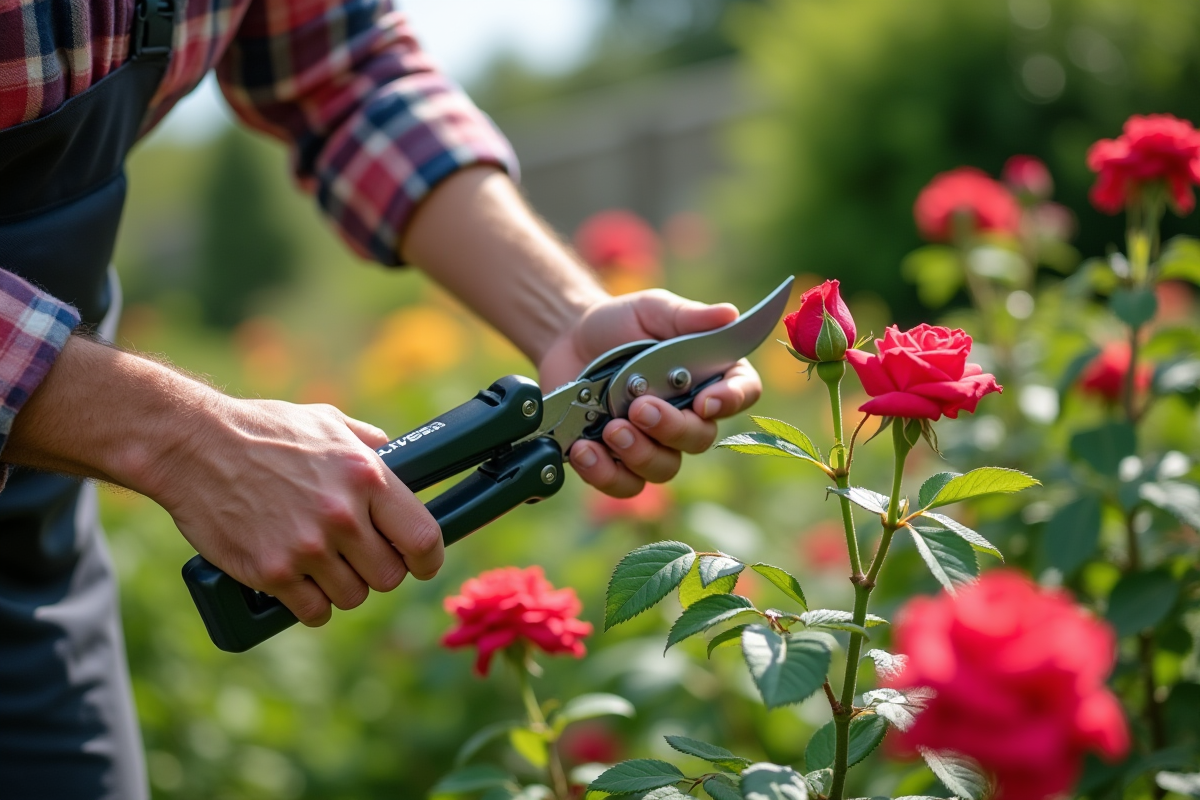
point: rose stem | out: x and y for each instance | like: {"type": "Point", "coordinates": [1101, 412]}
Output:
{"type": "Point", "coordinates": [841, 464]}
{"type": "Point", "coordinates": [862, 594]}
{"type": "Point", "coordinates": [537, 721]}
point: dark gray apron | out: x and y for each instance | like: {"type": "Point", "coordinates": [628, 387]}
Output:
{"type": "Point", "coordinates": [67, 727]}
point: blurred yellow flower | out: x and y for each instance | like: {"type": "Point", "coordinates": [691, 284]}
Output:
{"type": "Point", "coordinates": [412, 342]}
{"type": "Point", "coordinates": [267, 363]}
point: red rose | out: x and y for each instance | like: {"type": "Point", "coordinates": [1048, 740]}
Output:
{"type": "Point", "coordinates": [1028, 177]}
{"type": "Point", "coordinates": [1158, 147]}
{"type": "Point", "coordinates": [504, 606]}
{"type": "Point", "coordinates": [1105, 374]}
{"type": "Point", "coordinates": [968, 192]}
{"type": "Point", "coordinates": [1019, 675]}
{"type": "Point", "coordinates": [804, 324]}
{"type": "Point", "coordinates": [618, 240]}
{"type": "Point", "coordinates": [921, 374]}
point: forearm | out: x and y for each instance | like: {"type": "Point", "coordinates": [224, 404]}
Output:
{"type": "Point", "coordinates": [476, 236]}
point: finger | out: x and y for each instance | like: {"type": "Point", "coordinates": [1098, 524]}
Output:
{"type": "Point", "coordinates": [641, 454]}
{"type": "Point", "coordinates": [665, 315]}
{"type": "Point", "coordinates": [367, 433]}
{"type": "Point", "coordinates": [341, 584]}
{"type": "Point", "coordinates": [375, 560]}
{"type": "Point", "coordinates": [670, 427]}
{"type": "Point", "coordinates": [306, 600]}
{"type": "Point", "coordinates": [740, 389]}
{"type": "Point", "coordinates": [597, 467]}
{"type": "Point", "coordinates": [403, 519]}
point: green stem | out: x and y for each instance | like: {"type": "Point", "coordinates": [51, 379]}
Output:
{"type": "Point", "coordinates": [537, 722]}
{"type": "Point", "coordinates": [841, 467]}
{"type": "Point", "coordinates": [862, 597]}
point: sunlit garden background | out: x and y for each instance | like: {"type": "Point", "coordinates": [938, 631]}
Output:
{"type": "Point", "coordinates": [758, 140]}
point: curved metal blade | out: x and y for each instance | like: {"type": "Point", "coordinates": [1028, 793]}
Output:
{"type": "Point", "coordinates": [672, 368]}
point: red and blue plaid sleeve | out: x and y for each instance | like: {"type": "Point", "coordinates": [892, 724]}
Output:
{"type": "Point", "coordinates": [373, 124]}
{"type": "Point", "coordinates": [33, 329]}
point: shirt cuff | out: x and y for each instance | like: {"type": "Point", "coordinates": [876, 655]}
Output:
{"type": "Point", "coordinates": [34, 327]}
{"type": "Point", "coordinates": [414, 133]}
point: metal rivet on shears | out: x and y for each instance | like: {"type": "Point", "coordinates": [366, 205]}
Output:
{"type": "Point", "coordinates": [585, 395]}
{"type": "Point", "coordinates": [637, 385]}
{"type": "Point", "coordinates": [529, 408]}
{"type": "Point", "coordinates": [549, 474]}
{"type": "Point", "coordinates": [592, 416]}
{"type": "Point", "coordinates": [680, 378]}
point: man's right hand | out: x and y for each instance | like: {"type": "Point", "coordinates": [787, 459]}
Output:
{"type": "Point", "coordinates": [288, 499]}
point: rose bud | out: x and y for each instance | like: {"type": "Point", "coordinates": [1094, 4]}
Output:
{"type": "Point", "coordinates": [822, 328]}
{"type": "Point", "coordinates": [1028, 178]}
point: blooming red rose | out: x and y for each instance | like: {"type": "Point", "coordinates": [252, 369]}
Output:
{"type": "Point", "coordinates": [509, 605]}
{"type": "Point", "coordinates": [1018, 674]}
{"type": "Point", "coordinates": [1105, 374]}
{"type": "Point", "coordinates": [921, 374]}
{"type": "Point", "coordinates": [1028, 177]}
{"type": "Point", "coordinates": [970, 192]}
{"type": "Point", "coordinates": [1158, 147]}
{"type": "Point", "coordinates": [618, 240]}
{"type": "Point", "coordinates": [804, 324]}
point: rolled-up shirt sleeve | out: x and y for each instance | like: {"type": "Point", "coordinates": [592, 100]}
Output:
{"type": "Point", "coordinates": [373, 124]}
{"type": "Point", "coordinates": [33, 330]}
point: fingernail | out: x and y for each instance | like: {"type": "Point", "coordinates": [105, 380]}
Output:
{"type": "Point", "coordinates": [647, 416]}
{"type": "Point", "coordinates": [586, 458]}
{"type": "Point", "coordinates": [712, 407]}
{"type": "Point", "coordinates": [623, 438]}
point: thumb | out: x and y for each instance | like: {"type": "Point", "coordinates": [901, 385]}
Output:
{"type": "Point", "coordinates": [367, 433]}
{"type": "Point", "coordinates": [693, 317]}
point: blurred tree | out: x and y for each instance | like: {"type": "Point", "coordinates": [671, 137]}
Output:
{"type": "Point", "coordinates": [244, 247]}
{"type": "Point", "coordinates": [871, 98]}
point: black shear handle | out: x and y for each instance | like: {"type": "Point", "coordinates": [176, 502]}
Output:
{"type": "Point", "coordinates": [238, 617]}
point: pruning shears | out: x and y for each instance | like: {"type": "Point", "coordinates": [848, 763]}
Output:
{"type": "Point", "coordinates": [518, 439]}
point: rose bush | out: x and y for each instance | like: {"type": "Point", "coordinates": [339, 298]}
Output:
{"type": "Point", "coordinates": [1017, 676]}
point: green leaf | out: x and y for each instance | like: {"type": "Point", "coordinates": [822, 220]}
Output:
{"type": "Point", "coordinates": [638, 775]}
{"type": "Point", "coordinates": [530, 745]}
{"type": "Point", "coordinates": [1180, 500]}
{"type": "Point", "coordinates": [934, 484]}
{"type": "Point", "coordinates": [716, 567]}
{"type": "Point", "coordinates": [1179, 783]}
{"type": "Point", "coordinates": [951, 560]}
{"type": "Point", "coordinates": [937, 272]}
{"type": "Point", "coordinates": [1134, 307]}
{"type": "Point", "coordinates": [722, 787]}
{"type": "Point", "coordinates": [644, 577]}
{"type": "Point", "coordinates": [473, 779]}
{"type": "Point", "coordinates": [663, 793]}
{"type": "Point", "coordinates": [590, 706]}
{"type": "Point", "coordinates": [1103, 448]}
{"type": "Point", "coordinates": [764, 444]}
{"type": "Point", "coordinates": [899, 708]}
{"type": "Point", "coordinates": [839, 620]}
{"type": "Point", "coordinates": [787, 670]}
{"type": "Point", "coordinates": [499, 793]}
{"type": "Point", "coordinates": [789, 433]}
{"type": "Point", "coordinates": [959, 774]}
{"type": "Point", "coordinates": [708, 752]}
{"type": "Point", "coordinates": [976, 483]}
{"type": "Point", "coordinates": [1070, 537]}
{"type": "Point", "coordinates": [1072, 372]}
{"type": "Point", "coordinates": [865, 498]}
{"type": "Point", "coordinates": [705, 613]}
{"type": "Point", "coordinates": [693, 589]}
{"type": "Point", "coordinates": [887, 665]}
{"type": "Point", "coordinates": [866, 732]}
{"type": "Point", "coordinates": [731, 636]}
{"type": "Point", "coordinates": [783, 581]}
{"type": "Point", "coordinates": [481, 738]}
{"type": "Point", "coordinates": [1182, 377]}
{"type": "Point", "coordinates": [765, 781]}
{"type": "Point", "coordinates": [819, 781]}
{"type": "Point", "coordinates": [1180, 260]}
{"type": "Point", "coordinates": [977, 542]}
{"type": "Point", "coordinates": [1141, 600]}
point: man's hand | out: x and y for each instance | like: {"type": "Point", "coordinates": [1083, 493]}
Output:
{"type": "Point", "coordinates": [288, 499]}
{"type": "Point", "coordinates": [647, 446]}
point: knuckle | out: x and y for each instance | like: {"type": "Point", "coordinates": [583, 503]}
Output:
{"type": "Point", "coordinates": [336, 511]}
{"type": "Point", "coordinates": [277, 572]}
{"type": "Point", "coordinates": [361, 470]}
{"type": "Point", "coordinates": [424, 537]}
{"type": "Point", "coordinates": [353, 597]}
{"type": "Point", "coordinates": [312, 611]}
{"type": "Point", "coordinates": [391, 574]}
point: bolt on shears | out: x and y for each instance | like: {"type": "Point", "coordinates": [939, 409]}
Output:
{"type": "Point", "coordinates": [518, 439]}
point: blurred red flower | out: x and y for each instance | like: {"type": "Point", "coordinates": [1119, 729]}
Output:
{"type": "Point", "coordinates": [968, 192]}
{"type": "Point", "coordinates": [823, 547]}
{"type": "Point", "coordinates": [1176, 301]}
{"type": "Point", "coordinates": [1028, 177]}
{"type": "Point", "coordinates": [590, 743]}
{"type": "Point", "coordinates": [1104, 375]}
{"type": "Point", "coordinates": [647, 506]}
{"type": "Point", "coordinates": [804, 324]}
{"type": "Point", "coordinates": [1157, 147]}
{"type": "Point", "coordinates": [505, 606]}
{"type": "Point", "coordinates": [618, 239]}
{"type": "Point", "coordinates": [1019, 675]}
{"type": "Point", "coordinates": [921, 374]}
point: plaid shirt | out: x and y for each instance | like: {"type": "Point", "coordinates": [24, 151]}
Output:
{"type": "Point", "coordinates": [371, 122]}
